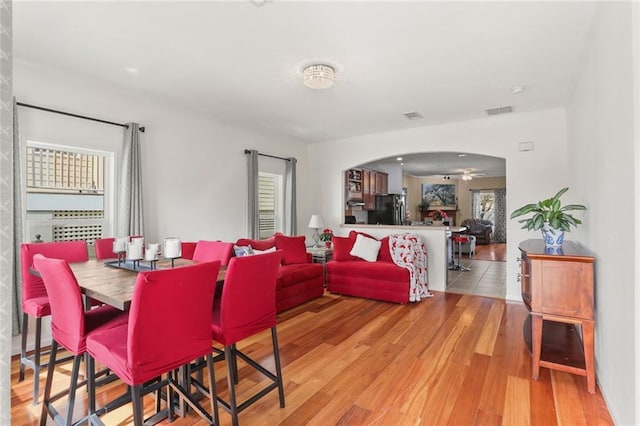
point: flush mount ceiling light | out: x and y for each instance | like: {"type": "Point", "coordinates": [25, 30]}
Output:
{"type": "Point", "coordinates": [319, 76]}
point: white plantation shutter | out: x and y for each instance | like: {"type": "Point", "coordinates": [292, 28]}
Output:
{"type": "Point", "coordinates": [267, 205]}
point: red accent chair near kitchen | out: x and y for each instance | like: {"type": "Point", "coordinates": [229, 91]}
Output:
{"type": "Point", "coordinates": [207, 251]}
{"type": "Point", "coordinates": [35, 302]}
{"type": "Point", "coordinates": [247, 307]}
{"type": "Point", "coordinates": [104, 248]}
{"type": "Point", "coordinates": [169, 326]}
{"type": "Point", "coordinates": [70, 326]}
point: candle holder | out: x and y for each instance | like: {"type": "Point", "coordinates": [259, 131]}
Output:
{"type": "Point", "coordinates": [172, 249]}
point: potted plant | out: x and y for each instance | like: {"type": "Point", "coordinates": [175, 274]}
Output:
{"type": "Point", "coordinates": [326, 237]}
{"type": "Point", "coordinates": [550, 217]}
{"type": "Point", "coordinates": [438, 216]}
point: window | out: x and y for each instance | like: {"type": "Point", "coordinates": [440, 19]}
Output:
{"type": "Point", "coordinates": [482, 203]}
{"type": "Point", "coordinates": [270, 204]}
{"type": "Point", "coordinates": [66, 193]}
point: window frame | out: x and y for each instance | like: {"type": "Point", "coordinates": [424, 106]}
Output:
{"type": "Point", "coordinates": [110, 183]}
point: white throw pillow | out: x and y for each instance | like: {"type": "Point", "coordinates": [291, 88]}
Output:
{"type": "Point", "coordinates": [366, 248]}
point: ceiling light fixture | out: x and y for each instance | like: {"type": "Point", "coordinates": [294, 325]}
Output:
{"type": "Point", "coordinates": [319, 76]}
{"type": "Point", "coordinates": [466, 176]}
{"type": "Point", "coordinates": [446, 177]}
{"type": "Point", "coordinates": [398, 158]}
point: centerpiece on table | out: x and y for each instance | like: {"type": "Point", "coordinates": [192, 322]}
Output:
{"type": "Point", "coordinates": [437, 216]}
{"type": "Point", "coordinates": [550, 217]}
{"type": "Point", "coordinates": [326, 237]}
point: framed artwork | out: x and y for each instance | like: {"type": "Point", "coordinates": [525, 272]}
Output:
{"type": "Point", "coordinates": [439, 195]}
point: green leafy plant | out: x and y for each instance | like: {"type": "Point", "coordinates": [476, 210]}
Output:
{"type": "Point", "coordinates": [549, 211]}
{"type": "Point", "coordinates": [327, 235]}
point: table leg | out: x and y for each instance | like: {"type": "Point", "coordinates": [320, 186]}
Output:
{"type": "Point", "coordinates": [536, 345]}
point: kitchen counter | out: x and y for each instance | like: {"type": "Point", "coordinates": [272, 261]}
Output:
{"type": "Point", "coordinates": [406, 228]}
{"type": "Point", "coordinates": [436, 240]}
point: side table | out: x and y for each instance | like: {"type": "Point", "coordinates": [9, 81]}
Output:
{"type": "Point", "coordinates": [321, 255]}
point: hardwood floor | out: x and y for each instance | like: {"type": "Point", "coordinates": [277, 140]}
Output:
{"type": "Point", "coordinates": [451, 359]}
{"type": "Point", "coordinates": [493, 251]}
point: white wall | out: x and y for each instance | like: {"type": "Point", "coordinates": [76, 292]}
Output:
{"type": "Point", "coordinates": [531, 175]}
{"type": "Point", "coordinates": [194, 168]}
{"type": "Point", "coordinates": [600, 124]}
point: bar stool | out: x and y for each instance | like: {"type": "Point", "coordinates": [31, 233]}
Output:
{"type": "Point", "coordinates": [460, 239]}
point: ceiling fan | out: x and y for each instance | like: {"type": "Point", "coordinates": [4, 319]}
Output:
{"type": "Point", "coordinates": [466, 175]}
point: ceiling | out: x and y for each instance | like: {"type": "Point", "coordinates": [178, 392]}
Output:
{"type": "Point", "coordinates": [440, 164]}
{"type": "Point", "coordinates": [241, 64]}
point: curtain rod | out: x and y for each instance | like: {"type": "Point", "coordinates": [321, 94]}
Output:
{"type": "Point", "coordinates": [248, 151]}
{"type": "Point", "coordinates": [55, 111]}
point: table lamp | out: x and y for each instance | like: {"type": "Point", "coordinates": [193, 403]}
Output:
{"type": "Point", "coordinates": [316, 223]}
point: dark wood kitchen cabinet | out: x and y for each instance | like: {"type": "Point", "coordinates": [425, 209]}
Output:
{"type": "Point", "coordinates": [557, 289]}
{"type": "Point", "coordinates": [362, 186]}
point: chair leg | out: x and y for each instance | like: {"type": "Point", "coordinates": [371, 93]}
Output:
{"type": "Point", "coordinates": [276, 357]}
{"type": "Point", "coordinates": [212, 390]}
{"type": "Point", "coordinates": [229, 354]}
{"type": "Point", "coordinates": [136, 400]}
{"type": "Point", "coordinates": [234, 363]}
{"type": "Point", "coordinates": [23, 346]}
{"type": "Point", "coordinates": [91, 383]}
{"type": "Point", "coordinates": [47, 387]}
{"type": "Point", "coordinates": [72, 388]}
{"type": "Point", "coordinates": [36, 361]}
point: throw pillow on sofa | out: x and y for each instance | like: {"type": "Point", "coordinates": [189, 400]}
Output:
{"type": "Point", "coordinates": [366, 248]}
{"type": "Point", "coordinates": [294, 249]}
{"type": "Point", "coordinates": [257, 244]}
{"type": "Point", "coordinates": [384, 255]}
{"type": "Point", "coordinates": [342, 247]}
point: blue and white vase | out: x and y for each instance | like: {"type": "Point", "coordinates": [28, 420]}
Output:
{"type": "Point", "coordinates": [552, 237]}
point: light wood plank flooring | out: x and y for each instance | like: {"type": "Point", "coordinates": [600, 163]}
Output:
{"type": "Point", "coordinates": [452, 359]}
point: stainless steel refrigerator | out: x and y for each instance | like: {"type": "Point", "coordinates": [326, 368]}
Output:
{"type": "Point", "coordinates": [390, 210]}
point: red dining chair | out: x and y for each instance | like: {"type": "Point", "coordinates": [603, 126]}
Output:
{"type": "Point", "coordinates": [169, 326]}
{"type": "Point", "coordinates": [70, 326]}
{"type": "Point", "coordinates": [207, 251]}
{"type": "Point", "coordinates": [104, 248]}
{"type": "Point", "coordinates": [247, 307]}
{"type": "Point", "coordinates": [188, 248]}
{"type": "Point", "coordinates": [35, 302]}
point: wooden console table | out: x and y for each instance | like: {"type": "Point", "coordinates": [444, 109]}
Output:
{"type": "Point", "coordinates": [557, 288]}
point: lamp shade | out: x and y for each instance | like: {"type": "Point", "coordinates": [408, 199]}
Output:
{"type": "Point", "coordinates": [316, 221]}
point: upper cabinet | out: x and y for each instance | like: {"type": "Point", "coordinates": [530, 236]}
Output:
{"type": "Point", "coordinates": [362, 186]}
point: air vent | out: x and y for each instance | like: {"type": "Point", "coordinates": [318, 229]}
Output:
{"type": "Point", "coordinates": [413, 115]}
{"type": "Point", "coordinates": [499, 110]}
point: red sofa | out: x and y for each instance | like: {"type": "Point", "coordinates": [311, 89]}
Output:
{"type": "Point", "coordinates": [352, 276]}
{"type": "Point", "coordinates": [299, 280]}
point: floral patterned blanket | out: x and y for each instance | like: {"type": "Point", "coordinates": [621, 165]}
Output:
{"type": "Point", "coordinates": [408, 251]}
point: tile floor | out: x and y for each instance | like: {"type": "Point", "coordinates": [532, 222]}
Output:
{"type": "Point", "coordinates": [486, 278]}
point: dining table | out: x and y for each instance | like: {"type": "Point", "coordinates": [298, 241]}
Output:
{"type": "Point", "coordinates": [112, 283]}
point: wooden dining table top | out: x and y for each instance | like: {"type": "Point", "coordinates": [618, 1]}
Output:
{"type": "Point", "coordinates": [114, 286]}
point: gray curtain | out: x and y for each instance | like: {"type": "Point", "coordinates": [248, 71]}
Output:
{"type": "Point", "coordinates": [500, 215]}
{"type": "Point", "coordinates": [252, 197]}
{"type": "Point", "coordinates": [7, 210]}
{"type": "Point", "coordinates": [291, 213]}
{"type": "Point", "coordinates": [16, 307]}
{"type": "Point", "coordinates": [130, 211]}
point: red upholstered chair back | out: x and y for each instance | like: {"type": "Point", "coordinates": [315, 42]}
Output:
{"type": "Point", "coordinates": [65, 299]}
{"type": "Point", "coordinates": [188, 247]}
{"type": "Point", "coordinates": [207, 251]}
{"type": "Point", "coordinates": [104, 248]}
{"type": "Point", "coordinates": [32, 286]}
{"type": "Point", "coordinates": [248, 303]}
{"type": "Point", "coordinates": [170, 319]}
